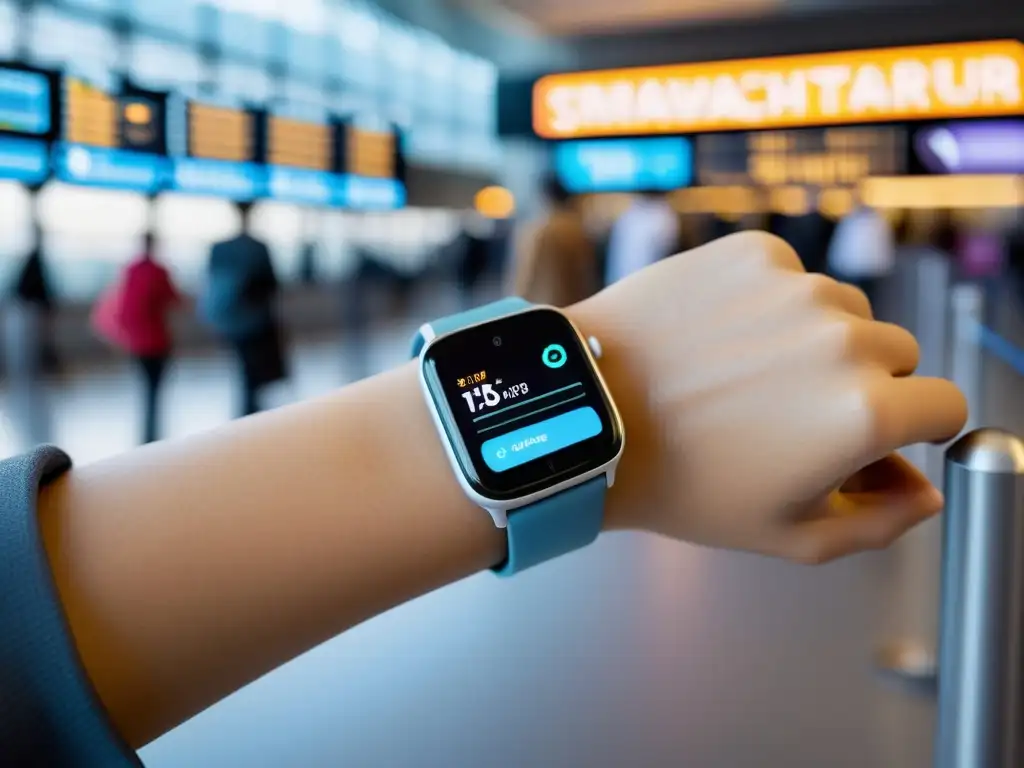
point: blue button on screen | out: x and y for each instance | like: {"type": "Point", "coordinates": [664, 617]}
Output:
{"type": "Point", "coordinates": [541, 439]}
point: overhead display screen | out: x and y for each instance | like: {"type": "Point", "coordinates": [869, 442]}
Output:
{"type": "Point", "coordinates": [26, 102]}
{"type": "Point", "coordinates": [817, 157]}
{"type": "Point", "coordinates": [299, 144]}
{"type": "Point", "coordinates": [300, 159]}
{"type": "Point", "coordinates": [116, 140]}
{"type": "Point", "coordinates": [217, 152]}
{"type": "Point", "coordinates": [624, 165]}
{"type": "Point", "coordinates": [132, 119]}
{"type": "Point", "coordinates": [971, 147]}
{"type": "Point", "coordinates": [220, 133]}
{"type": "Point", "coordinates": [29, 110]}
{"type": "Point", "coordinates": [927, 82]}
{"type": "Point", "coordinates": [370, 153]}
{"type": "Point", "coordinates": [372, 167]}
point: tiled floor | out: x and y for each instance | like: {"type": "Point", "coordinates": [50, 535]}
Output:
{"type": "Point", "coordinates": [637, 653]}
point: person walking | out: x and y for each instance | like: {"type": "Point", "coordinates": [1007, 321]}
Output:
{"type": "Point", "coordinates": [239, 305]}
{"type": "Point", "coordinates": [133, 316]}
{"type": "Point", "coordinates": [556, 262]}
{"type": "Point", "coordinates": [648, 231]}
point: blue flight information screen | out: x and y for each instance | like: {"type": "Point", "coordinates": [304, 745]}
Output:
{"type": "Point", "coordinates": [25, 102]}
{"type": "Point", "coordinates": [113, 140]}
{"type": "Point", "coordinates": [28, 111]}
{"type": "Point", "coordinates": [371, 167]}
{"type": "Point", "coordinates": [215, 151]}
{"type": "Point", "coordinates": [300, 161]}
{"type": "Point", "coordinates": [625, 165]}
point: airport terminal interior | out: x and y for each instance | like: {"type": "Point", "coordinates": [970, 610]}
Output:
{"type": "Point", "coordinates": [395, 158]}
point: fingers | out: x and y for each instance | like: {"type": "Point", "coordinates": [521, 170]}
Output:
{"type": "Point", "coordinates": [892, 348]}
{"type": "Point", "coordinates": [879, 505]}
{"type": "Point", "coordinates": [842, 296]}
{"type": "Point", "coordinates": [917, 409]}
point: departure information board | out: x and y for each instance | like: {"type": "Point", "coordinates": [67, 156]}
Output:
{"type": "Point", "coordinates": [299, 144]}
{"type": "Point", "coordinates": [221, 133]}
{"type": "Point", "coordinates": [370, 153]}
{"type": "Point", "coordinates": [27, 101]}
{"type": "Point", "coordinates": [215, 151]}
{"type": "Point", "coordinates": [371, 164]}
{"type": "Point", "coordinates": [29, 109]}
{"type": "Point", "coordinates": [132, 119]}
{"type": "Point", "coordinates": [116, 140]}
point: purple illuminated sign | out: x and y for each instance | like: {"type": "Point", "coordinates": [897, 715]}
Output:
{"type": "Point", "coordinates": [991, 146]}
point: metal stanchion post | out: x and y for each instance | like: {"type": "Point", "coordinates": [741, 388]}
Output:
{"type": "Point", "coordinates": [908, 656]}
{"type": "Point", "coordinates": [981, 654]}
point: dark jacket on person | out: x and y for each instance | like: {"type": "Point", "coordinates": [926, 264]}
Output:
{"type": "Point", "coordinates": [240, 288]}
{"type": "Point", "coordinates": [33, 284]}
{"type": "Point", "coordinates": [238, 304]}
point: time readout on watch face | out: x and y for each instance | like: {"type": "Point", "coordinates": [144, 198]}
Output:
{"type": "Point", "coordinates": [521, 403]}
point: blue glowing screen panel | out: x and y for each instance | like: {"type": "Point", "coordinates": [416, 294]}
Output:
{"type": "Point", "coordinates": [92, 166]}
{"type": "Point", "coordinates": [24, 160]}
{"type": "Point", "coordinates": [132, 119]}
{"type": "Point", "coordinates": [218, 178]}
{"type": "Point", "coordinates": [624, 165]}
{"type": "Point", "coordinates": [27, 102]}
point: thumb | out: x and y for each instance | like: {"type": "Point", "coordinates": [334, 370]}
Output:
{"type": "Point", "coordinates": [873, 509]}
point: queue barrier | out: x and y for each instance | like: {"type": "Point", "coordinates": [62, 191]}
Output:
{"type": "Point", "coordinates": [981, 640]}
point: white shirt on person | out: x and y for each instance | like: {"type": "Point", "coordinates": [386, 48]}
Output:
{"type": "Point", "coordinates": [647, 232]}
{"type": "Point", "coordinates": [862, 246]}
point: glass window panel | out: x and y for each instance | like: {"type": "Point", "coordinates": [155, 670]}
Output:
{"type": "Point", "coordinates": [85, 48]}
{"type": "Point", "coordinates": [307, 56]}
{"type": "Point", "coordinates": [104, 6]}
{"type": "Point", "coordinates": [359, 34]}
{"type": "Point", "coordinates": [361, 105]}
{"type": "Point", "coordinates": [401, 61]}
{"type": "Point", "coordinates": [89, 233]}
{"type": "Point", "coordinates": [8, 29]}
{"type": "Point", "coordinates": [310, 99]}
{"type": "Point", "coordinates": [244, 35]}
{"type": "Point", "coordinates": [245, 84]}
{"type": "Point", "coordinates": [158, 64]}
{"type": "Point", "coordinates": [177, 16]}
{"type": "Point", "coordinates": [434, 143]}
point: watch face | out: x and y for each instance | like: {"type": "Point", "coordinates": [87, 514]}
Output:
{"type": "Point", "coordinates": [521, 403]}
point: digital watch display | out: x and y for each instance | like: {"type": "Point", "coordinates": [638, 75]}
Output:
{"type": "Point", "coordinates": [522, 404]}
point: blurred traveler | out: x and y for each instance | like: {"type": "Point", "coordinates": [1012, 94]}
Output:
{"type": "Point", "coordinates": [307, 263]}
{"type": "Point", "coordinates": [28, 349]}
{"type": "Point", "coordinates": [33, 295]}
{"type": "Point", "coordinates": [863, 250]}
{"type": "Point", "coordinates": [473, 250]}
{"type": "Point", "coordinates": [648, 231]}
{"type": "Point", "coordinates": [556, 260]}
{"type": "Point", "coordinates": [238, 303]}
{"type": "Point", "coordinates": [133, 315]}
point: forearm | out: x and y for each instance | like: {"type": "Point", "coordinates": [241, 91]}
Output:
{"type": "Point", "coordinates": [192, 567]}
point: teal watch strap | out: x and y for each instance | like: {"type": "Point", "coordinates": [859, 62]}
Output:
{"type": "Point", "coordinates": [553, 526]}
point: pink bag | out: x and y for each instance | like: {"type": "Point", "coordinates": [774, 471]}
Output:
{"type": "Point", "coordinates": [106, 315]}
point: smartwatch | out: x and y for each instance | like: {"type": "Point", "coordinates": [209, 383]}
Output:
{"type": "Point", "coordinates": [527, 421]}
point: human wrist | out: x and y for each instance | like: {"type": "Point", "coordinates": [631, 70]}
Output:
{"type": "Point", "coordinates": [596, 318]}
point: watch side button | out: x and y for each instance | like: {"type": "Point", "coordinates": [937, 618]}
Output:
{"type": "Point", "coordinates": [595, 346]}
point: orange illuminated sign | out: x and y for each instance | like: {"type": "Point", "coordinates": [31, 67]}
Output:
{"type": "Point", "coordinates": [889, 84]}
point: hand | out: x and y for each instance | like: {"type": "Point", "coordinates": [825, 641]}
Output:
{"type": "Point", "coordinates": [763, 405]}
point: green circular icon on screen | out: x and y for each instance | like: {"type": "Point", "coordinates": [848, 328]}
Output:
{"type": "Point", "coordinates": [554, 356]}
